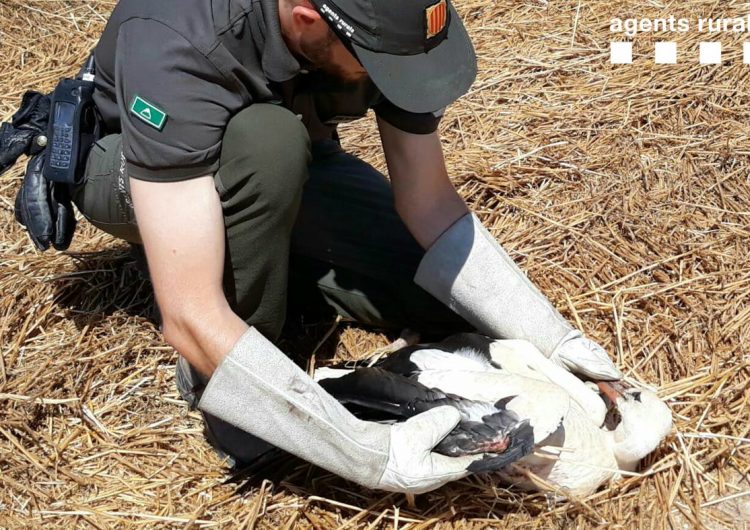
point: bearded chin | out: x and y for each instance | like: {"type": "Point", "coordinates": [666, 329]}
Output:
{"type": "Point", "coordinates": [320, 53]}
{"type": "Point", "coordinates": [345, 79]}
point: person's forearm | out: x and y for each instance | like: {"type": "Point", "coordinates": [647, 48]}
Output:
{"type": "Point", "coordinates": [425, 198]}
{"type": "Point", "coordinates": [203, 335]}
{"type": "Point", "coordinates": [427, 211]}
{"type": "Point", "coordinates": [465, 267]}
{"type": "Point", "coordinates": [182, 228]}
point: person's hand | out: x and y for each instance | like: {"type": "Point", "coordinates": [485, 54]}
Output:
{"type": "Point", "coordinates": [412, 467]}
{"type": "Point", "coordinates": [583, 356]}
{"type": "Point", "coordinates": [44, 208]}
{"type": "Point", "coordinates": [23, 135]}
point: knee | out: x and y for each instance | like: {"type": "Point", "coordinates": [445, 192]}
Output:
{"type": "Point", "coordinates": [268, 147]}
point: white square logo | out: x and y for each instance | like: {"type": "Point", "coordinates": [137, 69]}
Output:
{"type": "Point", "coordinates": [710, 53]}
{"type": "Point", "coordinates": [665, 53]}
{"type": "Point", "coordinates": [620, 52]}
{"type": "Point", "coordinates": [746, 48]}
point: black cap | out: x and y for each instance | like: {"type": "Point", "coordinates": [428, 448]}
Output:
{"type": "Point", "coordinates": [417, 52]}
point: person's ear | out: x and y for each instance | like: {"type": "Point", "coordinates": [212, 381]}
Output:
{"type": "Point", "coordinates": [305, 16]}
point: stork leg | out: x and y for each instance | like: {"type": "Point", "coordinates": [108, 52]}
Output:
{"type": "Point", "coordinates": [407, 338]}
{"type": "Point", "coordinates": [411, 500]}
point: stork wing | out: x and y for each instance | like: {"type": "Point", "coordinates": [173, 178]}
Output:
{"type": "Point", "coordinates": [484, 427]}
{"type": "Point", "coordinates": [543, 404]}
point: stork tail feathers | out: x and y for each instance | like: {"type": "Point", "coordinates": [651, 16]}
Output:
{"type": "Point", "coordinates": [521, 443]}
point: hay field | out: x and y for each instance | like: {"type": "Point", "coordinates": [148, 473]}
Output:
{"type": "Point", "coordinates": [622, 190]}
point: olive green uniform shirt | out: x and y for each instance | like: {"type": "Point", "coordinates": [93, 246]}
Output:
{"type": "Point", "coordinates": [170, 74]}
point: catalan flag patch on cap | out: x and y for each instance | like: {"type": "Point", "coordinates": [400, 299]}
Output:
{"type": "Point", "coordinates": [436, 17]}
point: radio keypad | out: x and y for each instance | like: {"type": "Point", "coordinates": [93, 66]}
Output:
{"type": "Point", "coordinates": [62, 146]}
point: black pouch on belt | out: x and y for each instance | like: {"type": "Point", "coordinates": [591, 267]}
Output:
{"type": "Point", "coordinates": [74, 126]}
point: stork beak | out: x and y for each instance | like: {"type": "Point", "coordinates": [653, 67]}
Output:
{"type": "Point", "coordinates": [610, 390]}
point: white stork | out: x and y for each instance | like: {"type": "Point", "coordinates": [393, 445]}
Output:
{"type": "Point", "coordinates": [584, 433]}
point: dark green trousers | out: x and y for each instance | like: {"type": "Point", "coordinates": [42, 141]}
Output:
{"type": "Point", "coordinates": [309, 227]}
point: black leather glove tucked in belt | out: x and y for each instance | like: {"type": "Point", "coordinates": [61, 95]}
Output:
{"type": "Point", "coordinates": [43, 207]}
{"type": "Point", "coordinates": [20, 136]}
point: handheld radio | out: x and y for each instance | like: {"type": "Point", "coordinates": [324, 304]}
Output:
{"type": "Point", "coordinates": [73, 127]}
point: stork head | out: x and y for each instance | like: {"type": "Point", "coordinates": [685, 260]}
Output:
{"type": "Point", "coordinates": [644, 421]}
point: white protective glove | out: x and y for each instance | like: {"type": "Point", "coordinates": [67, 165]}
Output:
{"type": "Point", "coordinates": [260, 390]}
{"type": "Point", "coordinates": [584, 356]}
{"type": "Point", "coordinates": [466, 269]}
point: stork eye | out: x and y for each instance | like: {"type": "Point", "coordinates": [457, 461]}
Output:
{"type": "Point", "coordinates": [636, 396]}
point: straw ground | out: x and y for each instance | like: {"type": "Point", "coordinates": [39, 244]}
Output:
{"type": "Point", "coordinates": [622, 190]}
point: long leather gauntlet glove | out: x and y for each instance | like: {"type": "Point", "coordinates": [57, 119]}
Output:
{"type": "Point", "coordinates": [466, 269]}
{"type": "Point", "coordinates": [258, 389]}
